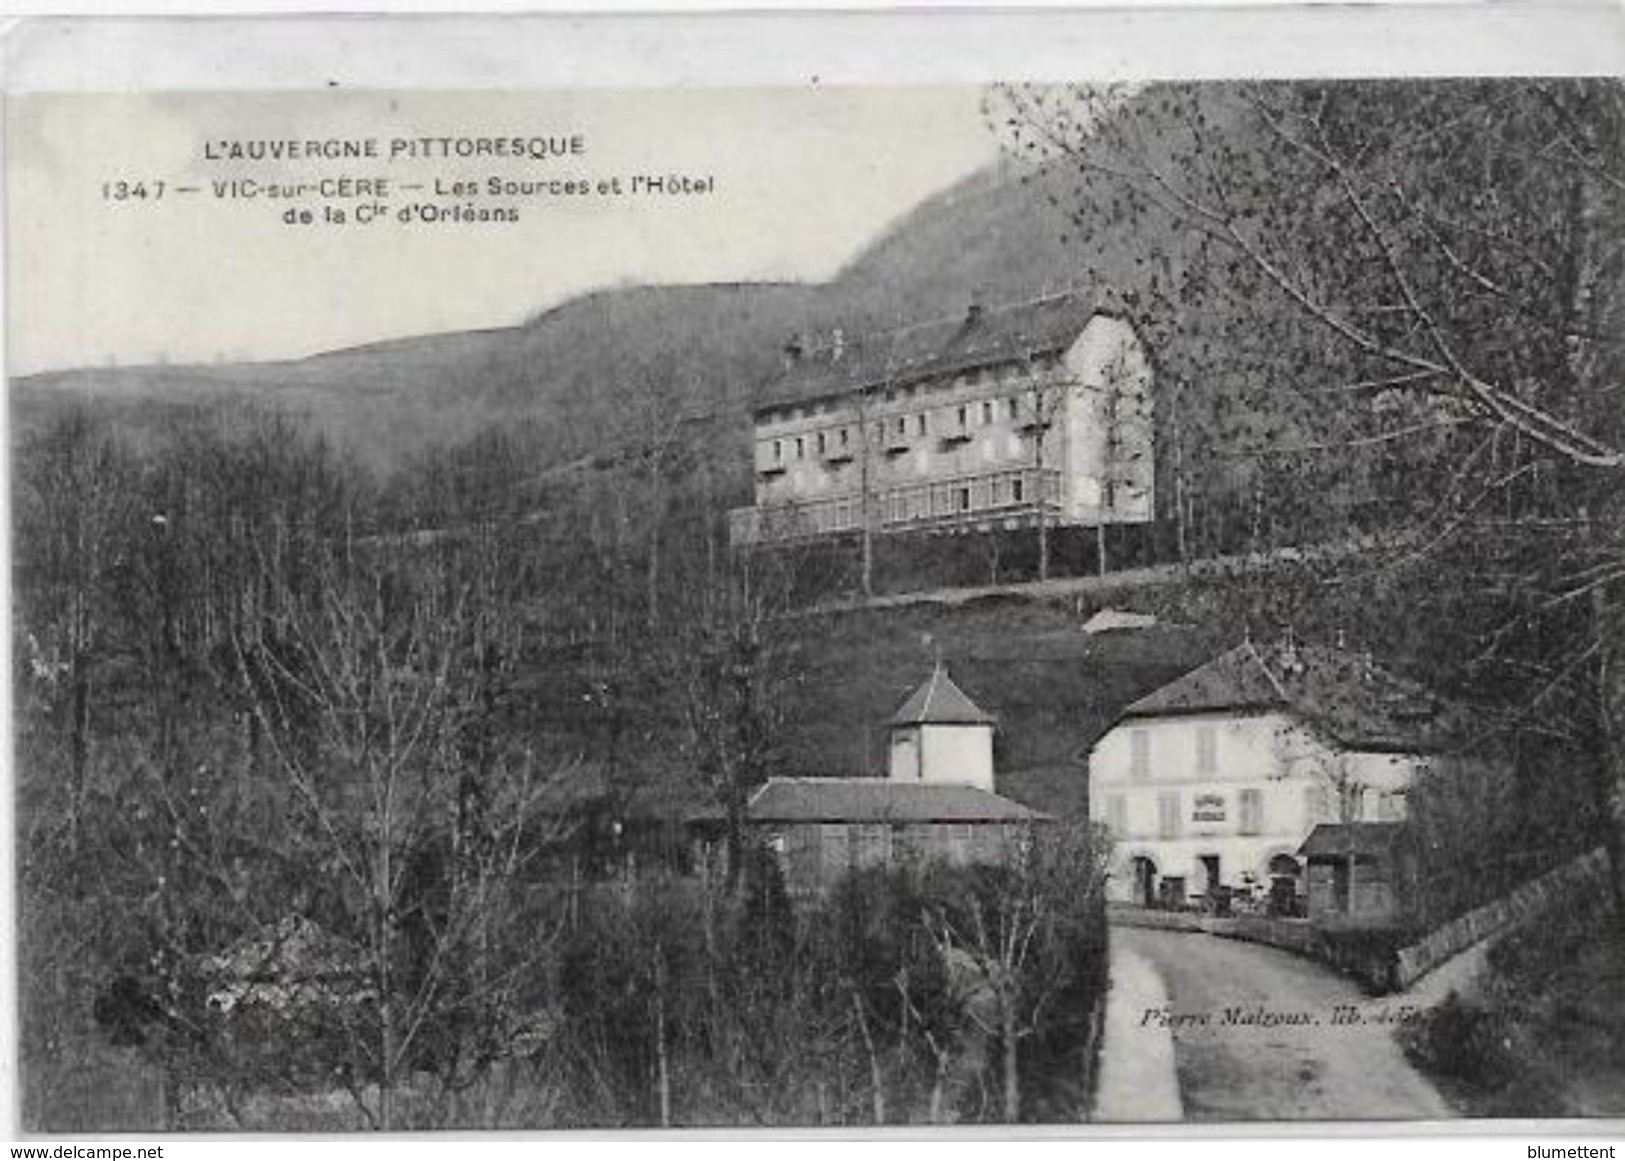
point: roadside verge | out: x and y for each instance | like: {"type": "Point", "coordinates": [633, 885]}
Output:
{"type": "Point", "coordinates": [1138, 1083]}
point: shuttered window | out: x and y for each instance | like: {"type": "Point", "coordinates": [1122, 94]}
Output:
{"type": "Point", "coordinates": [1207, 749]}
{"type": "Point", "coordinates": [1139, 754]}
{"type": "Point", "coordinates": [1252, 812]}
{"type": "Point", "coordinates": [1168, 815]}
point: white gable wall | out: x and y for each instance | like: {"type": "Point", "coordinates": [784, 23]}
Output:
{"type": "Point", "coordinates": [960, 754]}
{"type": "Point", "coordinates": [1109, 431]}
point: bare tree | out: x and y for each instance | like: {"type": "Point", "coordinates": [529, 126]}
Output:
{"type": "Point", "coordinates": [1412, 283]}
{"type": "Point", "coordinates": [728, 661]}
{"type": "Point", "coordinates": [378, 698]}
{"type": "Point", "coordinates": [1047, 388]}
{"type": "Point", "coordinates": [1016, 940]}
{"type": "Point", "coordinates": [78, 511]}
{"type": "Point", "coordinates": [868, 446]}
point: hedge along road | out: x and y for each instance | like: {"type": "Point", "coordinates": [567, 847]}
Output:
{"type": "Point", "coordinates": [1261, 1034]}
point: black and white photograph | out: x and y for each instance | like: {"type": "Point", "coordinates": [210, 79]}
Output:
{"type": "Point", "coordinates": [818, 606]}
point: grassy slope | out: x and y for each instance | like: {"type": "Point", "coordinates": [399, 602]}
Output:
{"type": "Point", "coordinates": [1054, 688]}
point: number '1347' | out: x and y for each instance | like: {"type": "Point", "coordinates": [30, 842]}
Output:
{"type": "Point", "coordinates": [128, 191]}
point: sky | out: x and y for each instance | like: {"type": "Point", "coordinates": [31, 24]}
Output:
{"type": "Point", "coordinates": [102, 273]}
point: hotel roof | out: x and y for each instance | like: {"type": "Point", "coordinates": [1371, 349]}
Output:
{"type": "Point", "coordinates": [987, 337]}
{"type": "Point", "coordinates": [1343, 694]}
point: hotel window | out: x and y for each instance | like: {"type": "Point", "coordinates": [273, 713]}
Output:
{"type": "Point", "coordinates": [778, 451]}
{"type": "Point", "coordinates": [801, 448]}
{"type": "Point", "coordinates": [1015, 489]}
{"type": "Point", "coordinates": [1168, 815]}
{"type": "Point", "coordinates": [1117, 814]}
{"type": "Point", "coordinates": [1015, 407]}
{"type": "Point", "coordinates": [1252, 812]}
{"type": "Point", "coordinates": [845, 436]}
{"type": "Point", "coordinates": [919, 425]}
{"type": "Point", "coordinates": [1139, 754]}
{"type": "Point", "coordinates": [964, 499]}
{"type": "Point", "coordinates": [1207, 749]}
{"type": "Point", "coordinates": [964, 417]}
{"type": "Point", "coordinates": [1316, 804]}
{"type": "Point", "coordinates": [987, 412]}
{"type": "Point", "coordinates": [822, 447]}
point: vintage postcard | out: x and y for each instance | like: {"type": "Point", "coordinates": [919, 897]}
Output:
{"type": "Point", "coordinates": [1090, 601]}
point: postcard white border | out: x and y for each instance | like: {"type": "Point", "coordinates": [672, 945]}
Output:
{"type": "Point", "coordinates": [270, 45]}
{"type": "Point", "coordinates": [617, 48]}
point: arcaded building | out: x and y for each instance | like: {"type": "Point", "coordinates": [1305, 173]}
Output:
{"type": "Point", "coordinates": [1213, 783]}
{"type": "Point", "coordinates": [980, 421]}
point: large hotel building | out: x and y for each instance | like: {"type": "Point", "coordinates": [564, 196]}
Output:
{"type": "Point", "coordinates": [971, 422]}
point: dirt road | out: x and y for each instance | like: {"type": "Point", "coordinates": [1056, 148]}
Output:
{"type": "Point", "coordinates": [1260, 1034]}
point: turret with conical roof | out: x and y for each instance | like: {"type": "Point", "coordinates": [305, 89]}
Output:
{"type": "Point", "coordinates": [941, 735]}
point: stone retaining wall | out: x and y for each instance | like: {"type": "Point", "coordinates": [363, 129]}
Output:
{"type": "Point", "coordinates": [1129, 916]}
{"type": "Point", "coordinates": [1367, 956]}
{"type": "Point", "coordinates": [1294, 935]}
{"type": "Point", "coordinates": [1586, 874]}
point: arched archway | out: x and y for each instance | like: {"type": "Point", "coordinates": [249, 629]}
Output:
{"type": "Point", "coordinates": [1144, 871]}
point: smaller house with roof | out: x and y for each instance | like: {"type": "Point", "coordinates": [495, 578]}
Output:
{"type": "Point", "coordinates": [937, 802]}
{"type": "Point", "coordinates": [1212, 784]}
{"type": "Point", "coordinates": [1359, 874]}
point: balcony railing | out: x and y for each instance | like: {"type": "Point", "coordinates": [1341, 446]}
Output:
{"type": "Point", "coordinates": [986, 497]}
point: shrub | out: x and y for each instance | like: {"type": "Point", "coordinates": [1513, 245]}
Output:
{"type": "Point", "coordinates": [1464, 1043]}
